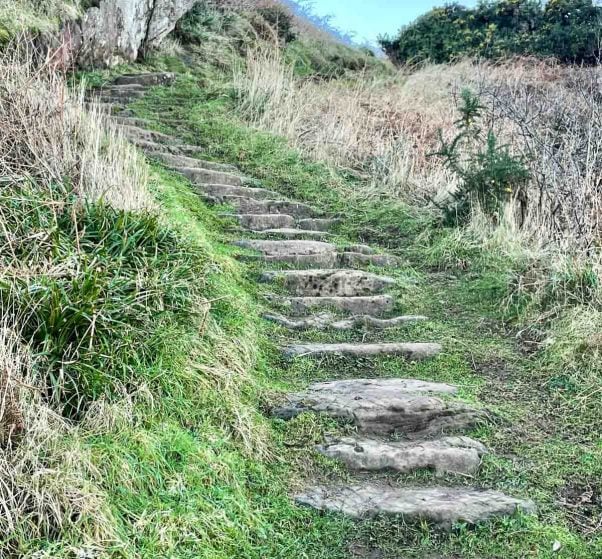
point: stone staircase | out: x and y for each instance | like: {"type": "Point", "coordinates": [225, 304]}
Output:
{"type": "Point", "coordinates": [400, 425]}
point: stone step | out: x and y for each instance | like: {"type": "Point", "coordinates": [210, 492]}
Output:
{"type": "Point", "coordinates": [220, 191]}
{"type": "Point", "coordinates": [359, 260]}
{"type": "Point", "coordinates": [150, 148]}
{"type": "Point", "coordinates": [375, 305]}
{"type": "Point", "coordinates": [107, 108]}
{"type": "Point", "coordinates": [293, 233]}
{"type": "Point", "coordinates": [129, 121]}
{"type": "Point", "coordinates": [146, 80]}
{"type": "Point", "coordinates": [172, 160]}
{"type": "Point", "coordinates": [251, 206]}
{"type": "Point", "coordinates": [360, 249]}
{"type": "Point", "coordinates": [205, 176]}
{"type": "Point", "coordinates": [339, 283]}
{"type": "Point", "coordinates": [458, 455]}
{"type": "Point", "coordinates": [410, 351]}
{"type": "Point", "coordinates": [318, 224]}
{"type": "Point", "coordinates": [303, 253]}
{"type": "Point", "coordinates": [409, 408]}
{"type": "Point", "coordinates": [439, 505]}
{"type": "Point", "coordinates": [262, 222]}
{"type": "Point", "coordinates": [324, 321]}
{"type": "Point", "coordinates": [137, 134]}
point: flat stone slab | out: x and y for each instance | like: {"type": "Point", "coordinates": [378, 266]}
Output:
{"type": "Point", "coordinates": [277, 248]}
{"type": "Point", "coordinates": [318, 224]}
{"type": "Point", "coordinates": [173, 160]}
{"type": "Point", "coordinates": [261, 222]}
{"type": "Point", "coordinates": [293, 233]}
{"type": "Point", "coordinates": [222, 191]}
{"type": "Point", "coordinates": [459, 455]}
{"type": "Point", "coordinates": [358, 260]}
{"type": "Point", "coordinates": [251, 206]}
{"type": "Point", "coordinates": [146, 79]}
{"type": "Point", "coordinates": [410, 351]}
{"type": "Point", "coordinates": [411, 408]}
{"type": "Point", "coordinates": [339, 283]}
{"type": "Point", "coordinates": [439, 505]}
{"type": "Point", "coordinates": [324, 321]}
{"type": "Point", "coordinates": [137, 134]}
{"type": "Point", "coordinates": [206, 176]}
{"type": "Point", "coordinates": [376, 305]}
{"type": "Point", "coordinates": [150, 148]}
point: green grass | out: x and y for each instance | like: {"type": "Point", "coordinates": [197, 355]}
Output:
{"type": "Point", "coordinates": [542, 442]}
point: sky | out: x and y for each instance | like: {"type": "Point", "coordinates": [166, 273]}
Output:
{"type": "Point", "coordinates": [370, 18]}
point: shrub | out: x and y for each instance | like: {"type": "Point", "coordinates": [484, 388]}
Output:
{"type": "Point", "coordinates": [566, 29]}
{"type": "Point", "coordinates": [488, 173]}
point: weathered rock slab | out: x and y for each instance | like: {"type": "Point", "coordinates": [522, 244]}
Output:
{"type": "Point", "coordinates": [146, 80]}
{"type": "Point", "coordinates": [460, 455]}
{"type": "Point", "coordinates": [358, 259]}
{"type": "Point", "coordinates": [251, 206]}
{"type": "Point", "coordinates": [339, 283]}
{"type": "Point", "coordinates": [376, 305]}
{"type": "Point", "coordinates": [318, 224]}
{"type": "Point", "coordinates": [261, 222]}
{"type": "Point", "coordinates": [222, 191]}
{"type": "Point", "coordinates": [205, 176]}
{"type": "Point", "coordinates": [324, 321]}
{"type": "Point", "coordinates": [410, 408]}
{"type": "Point", "coordinates": [410, 351]}
{"type": "Point", "coordinates": [172, 160]}
{"type": "Point", "coordinates": [439, 505]}
{"type": "Point", "coordinates": [293, 233]}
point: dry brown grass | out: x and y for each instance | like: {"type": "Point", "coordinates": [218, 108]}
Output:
{"type": "Point", "coordinates": [386, 129]}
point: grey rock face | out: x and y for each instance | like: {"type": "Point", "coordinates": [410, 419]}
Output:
{"type": "Point", "coordinates": [440, 505]}
{"type": "Point", "coordinates": [120, 30]}
{"type": "Point", "coordinates": [461, 455]}
{"type": "Point", "coordinates": [323, 321]}
{"type": "Point", "coordinates": [136, 135]}
{"type": "Point", "coordinates": [375, 305]}
{"type": "Point", "coordinates": [146, 80]}
{"type": "Point", "coordinates": [410, 351]}
{"type": "Point", "coordinates": [339, 283]}
{"type": "Point", "coordinates": [410, 408]}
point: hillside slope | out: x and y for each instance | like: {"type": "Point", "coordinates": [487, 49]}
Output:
{"type": "Point", "coordinates": [149, 410]}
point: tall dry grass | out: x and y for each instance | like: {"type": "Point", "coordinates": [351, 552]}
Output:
{"type": "Point", "coordinates": [51, 149]}
{"type": "Point", "coordinates": [386, 129]}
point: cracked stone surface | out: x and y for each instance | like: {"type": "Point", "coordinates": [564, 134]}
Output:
{"type": "Point", "coordinates": [278, 248]}
{"type": "Point", "coordinates": [376, 305]}
{"type": "Point", "coordinates": [339, 283]}
{"type": "Point", "coordinates": [136, 134]}
{"type": "Point", "coordinates": [410, 408]}
{"type": "Point", "coordinates": [318, 224]}
{"type": "Point", "coordinates": [440, 505]}
{"type": "Point", "coordinates": [460, 455]}
{"type": "Point", "coordinates": [410, 351]}
{"type": "Point", "coordinates": [323, 321]}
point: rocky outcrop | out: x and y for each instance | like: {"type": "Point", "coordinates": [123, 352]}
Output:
{"type": "Point", "coordinates": [116, 31]}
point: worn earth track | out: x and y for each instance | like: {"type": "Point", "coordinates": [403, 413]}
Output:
{"type": "Point", "coordinates": [401, 425]}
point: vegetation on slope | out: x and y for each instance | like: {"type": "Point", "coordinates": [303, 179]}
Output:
{"type": "Point", "coordinates": [568, 30]}
{"type": "Point", "coordinates": [141, 434]}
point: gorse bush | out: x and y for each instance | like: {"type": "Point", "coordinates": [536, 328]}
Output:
{"type": "Point", "coordinates": [566, 29]}
{"type": "Point", "coordinates": [489, 175]}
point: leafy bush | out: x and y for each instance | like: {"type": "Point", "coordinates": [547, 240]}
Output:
{"type": "Point", "coordinates": [489, 174]}
{"type": "Point", "coordinates": [280, 20]}
{"type": "Point", "coordinates": [566, 29]}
